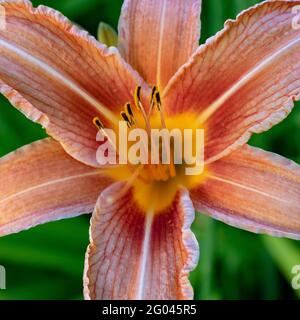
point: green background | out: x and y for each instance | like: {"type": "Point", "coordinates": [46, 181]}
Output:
{"type": "Point", "coordinates": [47, 262]}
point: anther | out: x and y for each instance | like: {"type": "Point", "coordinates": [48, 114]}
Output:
{"type": "Point", "coordinates": [139, 105]}
{"type": "Point", "coordinates": [98, 124]}
{"type": "Point", "coordinates": [152, 100]}
{"type": "Point", "coordinates": [158, 100]}
{"type": "Point", "coordinates": [130, 113]}
{"type": "Point", "coordinates": [159, 107]}
{"type": "Point", "coordinates": [129, 110]}
{"type": "Point", "coordinates": [125, 117]}
{"type": "Point", "coordinates": [137, 96]}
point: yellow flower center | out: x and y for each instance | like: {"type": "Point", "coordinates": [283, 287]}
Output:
{"type": "Point", "coordinates": [155, 184]}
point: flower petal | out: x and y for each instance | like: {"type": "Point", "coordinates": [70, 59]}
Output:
{"type": "Point", "coordinates": [60, 77]}
{"type": "Point", "coordinates": [41, 183]}
{"type": "Point", "coordinates": [156, 37]}
{"type": "Point", "coordinates": [254, 190]}
{"type": "Point", "coordinates": [244, 80]}
{"type": "Point", "coordinates": [135, 255]}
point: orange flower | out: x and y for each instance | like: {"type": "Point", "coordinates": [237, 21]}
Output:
{"type": "Point", "coordinates": [242, 81]}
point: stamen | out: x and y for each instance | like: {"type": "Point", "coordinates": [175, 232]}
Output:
{"type": "Point", "coordinates": [160, 109]}
{"type": "Point", "coordinates": [98, 124]}
{"type": "Point", "coordinates": [158, 100]}
{"type": "Point", "coordinates": [172, 169]}
{"type": "Point", "coordinates": [130, 113]}
{"type": "Point", "coordinates": [154, 89]}
{"type": "Point", "coordinates": [125, 117]}
{"type": "Point", "coordinates": [152, 99]}
{"type": "Point", "coordinates": [139, 106]}
{"type": "Point", "coordinates": [137, 97]}
{"type": "Point", "coordinates": [128, 109]}
{"type": "Point", "coordinates": [163, 124]}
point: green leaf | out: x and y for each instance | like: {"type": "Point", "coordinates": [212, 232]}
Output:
{"type": "Point", "coordinates": [285, 254]}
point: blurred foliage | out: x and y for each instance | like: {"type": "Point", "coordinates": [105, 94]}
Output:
{"type": "Point", "coordinates": [47, 262]}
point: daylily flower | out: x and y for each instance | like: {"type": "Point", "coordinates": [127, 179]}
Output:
{"type": "Point", "coordinates": [242, 81]}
